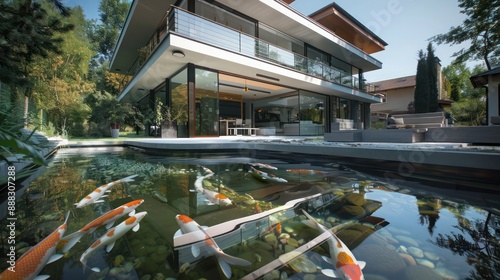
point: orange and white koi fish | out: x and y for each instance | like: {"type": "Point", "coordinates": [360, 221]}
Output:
{"type": "Point", "coordinates": [107, 219]}
{"type": "Point", "coordinates": [304, 172]}
{"type": "Point", "coordinates": [34, 260]}
{"type": "Point", "coordinates": [198, 184]}
{"type": "Point", "coordinates": [187, 225]}
{"type": "Point", "coordinates": [216, 198]}
{"type": "Point", "coordinates": [263, 165]}
{"type": "Point", "coordinates": [109, 239]}
{"type": "Point", "coordinates": [224, 260]}
{"type": "Point", "coordinates": [206, 169]}
{"type": "Point", "coordinates": [264, 176]}
{"type": "Point", "coordinates": [212, 196]}
{"type": "Point", "coordinates": [100, 191]}
{"type": "Point", "coordinates": [346, 265]}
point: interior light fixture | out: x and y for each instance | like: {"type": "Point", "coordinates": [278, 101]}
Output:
{"type": "Point", "coordinates": [245, 88]}
{"type": "Point", "coordinates": [178, 54]}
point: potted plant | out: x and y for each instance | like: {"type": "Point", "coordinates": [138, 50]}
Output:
{"type": "Point", "coordinates": [167, 118]}
{"type": "Point", "coordinates": [116, 118]}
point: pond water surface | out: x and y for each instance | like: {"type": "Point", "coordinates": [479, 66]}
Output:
{"type": "Point", "coordinates": [403, 230]}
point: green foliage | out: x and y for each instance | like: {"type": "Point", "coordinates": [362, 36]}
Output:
{"type": "Point", "coordinates": [108, 111]}
{"type": "Point", "coordinates": [421, 95]}
{"type": "Point", "coordinates": [28, 34]}
{"type": "Point", "coordinates": [60, 79]}
{"type": "Point", "coordinates": [481, 28]}
{"type": "Point", "coordinates": [426, 91]}
{"type": "Point", "coordinates": [469, 112]}
{"type": "Point", "coordinates": [12, 139]}
{"type": "Point", "coordinates": [457, 77]}
{"type": "Point", "coordinates": [432, 60]}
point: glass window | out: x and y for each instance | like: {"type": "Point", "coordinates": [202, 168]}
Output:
{"type": "Point", "coordinates": [206, 98]}
{"type": "Point", "coordinates": [280, 112]}
{"type": "Point", "coordinates": [179, 97]}
{"type": "Point", "coordinates": [281, 39]}
{"type": "Point", "coordinates": [318, 60]}
{"type": "Point", "coordinates": [344, 111]}
{"type": "Point", "coordinates": [312, 113]}
{"type": "Point", "coordinates": [223, 17]}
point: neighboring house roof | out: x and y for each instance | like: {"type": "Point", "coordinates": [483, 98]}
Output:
{"type": "Point", "coordinates": [396, 83]}
{"type": "Point", "coordinates": [481, 79]}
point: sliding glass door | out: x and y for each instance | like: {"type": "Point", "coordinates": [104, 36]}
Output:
{"type": "Point", "coordinates": [206, 100]}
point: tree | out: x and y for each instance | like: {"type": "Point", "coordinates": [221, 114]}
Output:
{"type": "Point", "coordinates": [103, 35]}
{"type": "Point", "coordinates": [432, 61]}
{"type": "Point", "coordinates": [421, 95]}
{"type": "Point", "coordinates": [60, 79]}
{"type": "Point", "coordinates": [457, 76]}
{"type": "Point", "coordinates": [112, 14]}
{"type": "Point", "coordinates": [27, 33]}
{"type": "Point", "coordinates": [481, 28]}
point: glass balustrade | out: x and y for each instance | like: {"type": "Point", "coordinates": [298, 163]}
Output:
{"type": "Point", "coordinates": [200, 29]}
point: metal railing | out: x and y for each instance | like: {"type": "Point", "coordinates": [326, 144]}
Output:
{"type": "Point", "coordinates": [195, 27]}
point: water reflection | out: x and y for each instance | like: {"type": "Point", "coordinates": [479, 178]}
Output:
{"type": "Point", "coordinates": [477, 244]}
{"type": "Point", "coordinates": [401, 231]}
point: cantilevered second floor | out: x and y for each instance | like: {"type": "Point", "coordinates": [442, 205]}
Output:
{"type": "Point", "coordinates": [263, 31]}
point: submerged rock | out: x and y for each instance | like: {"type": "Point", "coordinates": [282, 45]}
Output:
{"type": "Point", "coordinates": [352, 211]}
{"type": "Point", "coordinates": [380, 260]}
{"type": "Point", "coordinates": [419, 272]}
{"type": "Point", "coordinates": [409, 260]}
{"type": "Point", "coordinates": [355, 234]}
{"type": "Point", "coordinates": [355, 199]}
{"type": "Point", "coordinates": [415, 252]}
{"type": "Point", "coordinates": [406, 240]}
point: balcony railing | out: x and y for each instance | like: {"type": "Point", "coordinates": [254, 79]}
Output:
{"type": "Point", "coordinates": [209, 32]}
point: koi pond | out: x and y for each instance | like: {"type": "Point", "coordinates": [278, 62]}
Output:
{"type": "Point", "coordinates": [244, 215]}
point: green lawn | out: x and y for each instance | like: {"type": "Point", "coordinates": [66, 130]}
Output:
{"type": "Point", "coordinates": [123, 136]}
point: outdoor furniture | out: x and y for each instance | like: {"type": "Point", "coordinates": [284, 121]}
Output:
{"type": "Point", "coordinates": [243, 130]}
{"type": "Point", "coordinates": [266, 131]}
{"type": "Point", "coordinates": [225, 125]}
{"type": "Point", "coordinates": [239, 123]}
{"type": "Point", "coordinates": [343, 136]}
{"type": "Point", "coordinates": [411, 135]}
{"type": "Point", "coordinates": [421, 120]}
{"type": "Point", "coordinates": [342, 124]}
{"type": "Point", "coordinates": [302, 128]}
{"type": "Point", "coordinates": [465, 134]}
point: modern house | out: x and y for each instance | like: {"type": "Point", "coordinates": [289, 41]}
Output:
{"type": "Point", "coordinates": [491, 81]}
{"type": "Point", "coordinates": [215, 62]}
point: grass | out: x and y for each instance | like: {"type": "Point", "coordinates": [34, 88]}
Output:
{"type": "Point", "coordinates": [123, 136]}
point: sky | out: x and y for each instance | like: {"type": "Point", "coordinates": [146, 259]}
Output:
{"type": "Point", "coordinates": [405, 25]}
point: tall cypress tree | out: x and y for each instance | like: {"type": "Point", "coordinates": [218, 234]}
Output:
{"type": "Point", "coordinates": [421, 95]}
{"type": "Point", "coordinates": [432, 74]}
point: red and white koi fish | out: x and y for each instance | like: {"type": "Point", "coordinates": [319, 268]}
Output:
{"type": "Point", "coordinates": [187, 225]}
{"type": "Point", "coordinates": [346, 265]}
{"type": "Point", "coordinates": [109, 239]}
{"type": "Point", "coordinates": [100, 191]}
{"type": "Point", "coordinates": [107, 219]}
{"type": "Point", "coordinates": [34, 260]}
{"type": "Point", "coordinates": [263, 165]}
{"type": "Point", "coordinates": [264, 176]}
